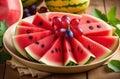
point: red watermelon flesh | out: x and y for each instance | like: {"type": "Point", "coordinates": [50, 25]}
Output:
{"type": "Point", "coordinates": [27, 30]}
{"type": "Point", "coordinates": [11, 11]}
{"type": "Point", "coordinates": [107, 41]}
{"type": "Point", "coordinates": [95, 48]}
{"type": "Point", "coordinates": [25, 23]}
{"type": "Point", "coordinates": [82, 55]}
{"type": "Point", "coordinates": [68, 56]}
{"type": "Point", "coordinates": [86, 19]}
{"type": "Point", "coordinates": [23, 40]}
{"type": "Point", "coordinates": [37, 49]}
{"type": "Point", "coordinates": [95, 29]}
{"type": "Point", "coordinates": [41, 22]}
{"type": "Point", "coordinates": [54, 55]}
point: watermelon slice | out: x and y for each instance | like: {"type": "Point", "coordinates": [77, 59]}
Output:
{"type": "Point", "coordinates": [95, 48]}
{"type": "Point", "coordinates": [54, 55]}
{"type": "Point", "coordinates": [26, 30]}
{"type": "Point", "coordinates": [107, 41]}
{"type": "Point", "coordinates": [38, 49]}
{"type": "Point", "coordinates": [68, 56]}
{"type": "Point", "coordinates": [41, 22]}
{"type": "Point", "coordinates": [11, 11]}
{"type": "Point", "coordinates": [23, 40]}
{"type": "Point", "coordinates": [82, 55]}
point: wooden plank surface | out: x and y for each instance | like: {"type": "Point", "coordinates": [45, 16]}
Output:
{"type": "Point", "coordinates": [99, 4]}
{"type": "Point", "coordinates": [2, 70]}
{"type": "Point", "coordinates": [13, 74]}
{"type": "Point", "coordinates": [70, 76]}
{"type": "Point", "coordinates": [103, 73]}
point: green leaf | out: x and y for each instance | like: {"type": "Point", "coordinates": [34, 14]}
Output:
{"type": "Point", "coordinates": [97, 13]}
{"type": "Point", "coordinates": [114, 65]}
{"type": "Point", "coordinates": [3, 28]}
{"type": "Point", "coordinates": [4, 56]}
{"type": "Point", "coordinates": [111, 14]}
{"type": "Point", "coordinates": [1, 41]}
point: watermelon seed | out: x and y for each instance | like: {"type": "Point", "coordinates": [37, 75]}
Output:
{"type": "Point", "coordinates": [42, 45]}
{"type": "Point", "coordinates": [91, 27]}
{"type": "Point", "coordinates": [98, 26]}
{"type": "Point", "coordinates": [88, 21]}
{"type": "Point", "coordinates": [52, 51]}
{"type": "Point", "coordinates": [50, 19]}
{"type": "Point", "coordinates": [52, 24]}
{"type": "Point", "coordinates": [89, 48]}
{"type": "Point", "coordinates": [28, 31]}
{"type": "Point", "coordinates": [78, 48]}
{"type": "Point", "coordinates": [30, 37]}
{"type": "Point", "coordinates": [36, 42]}
{"type": "Point", "coordinates": [56, 49]}
{"type": "Point", "coordinates": [40, 23]}
{"type": "Point", "coordinates": [81, 51]}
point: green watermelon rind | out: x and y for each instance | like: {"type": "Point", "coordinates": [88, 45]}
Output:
{"type": "Point", "coordinates": [90, 60]}
{"type": "Point", "coordinates": [115, 45]}
{"type": "Point", "coordinates": [70, 62]}
{"type": "Point", "coordinates": [20, 51]}
{"type": "Point", "coordinates": [30, 54]}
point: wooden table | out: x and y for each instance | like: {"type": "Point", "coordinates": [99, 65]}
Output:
{"type": "Point", "coordinates": [99, 73]}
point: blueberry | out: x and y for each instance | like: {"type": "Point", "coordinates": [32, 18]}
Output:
{"type": "Point", "coordinates": [69, 33]}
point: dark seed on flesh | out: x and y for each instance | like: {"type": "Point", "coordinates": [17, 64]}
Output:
{"type": "Point", "coordinates": [81, 51]}
{"type": "Point", "coordinates": [37, 42]}
{"type": "Point", "coordinates": [91, 27]}
{"type": "Point", "coordinates": [50, 19]}
{"type": "Point", "coordinates": [42, 45]}
{"type": "Point", "coordinates": [56, 49]}
{"type": "Point", "coordinates": [98, 26]}
{"type": "Point", "coordinates": [40, 23]}
{"type": "Point", "coordinates": [52, 24]}
{"type": "Point", "coordinates": [89, 48]}
{"type": "Point", "coordinates": [30, 37]}
{"type": "Point", "coordinates": [78, 48]}
{"type": "Point", "coordinates": [28, 31]}
{"type": "Point", "coordinates": [52, 51]}
{"type": "Point", "coordinates": [88, 21]}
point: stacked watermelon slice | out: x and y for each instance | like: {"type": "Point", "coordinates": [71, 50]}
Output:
{"type": "Point", "coordinates": [62, 39]}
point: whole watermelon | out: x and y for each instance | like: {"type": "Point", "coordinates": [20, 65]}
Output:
{"type": "Point", "coordinates": [71, 6]}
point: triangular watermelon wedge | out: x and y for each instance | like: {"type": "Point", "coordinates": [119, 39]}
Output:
{"type": "Point", "coordinates": [82, 55]}
{"type": "Point", "coordinates": [68, 56]}
{"type": "Point", "coordinates": [40, 21]}
{"type": "Point", "coordinates": [38, 49]}
{"type": "Point", "coordinates": [107, 41]}
{"type": "Point", "coordinates": [23, 40]}
{"type": "Point", "coordinates": [95, 48]}
{"type": "Point", "coordinates": [54, 56]}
